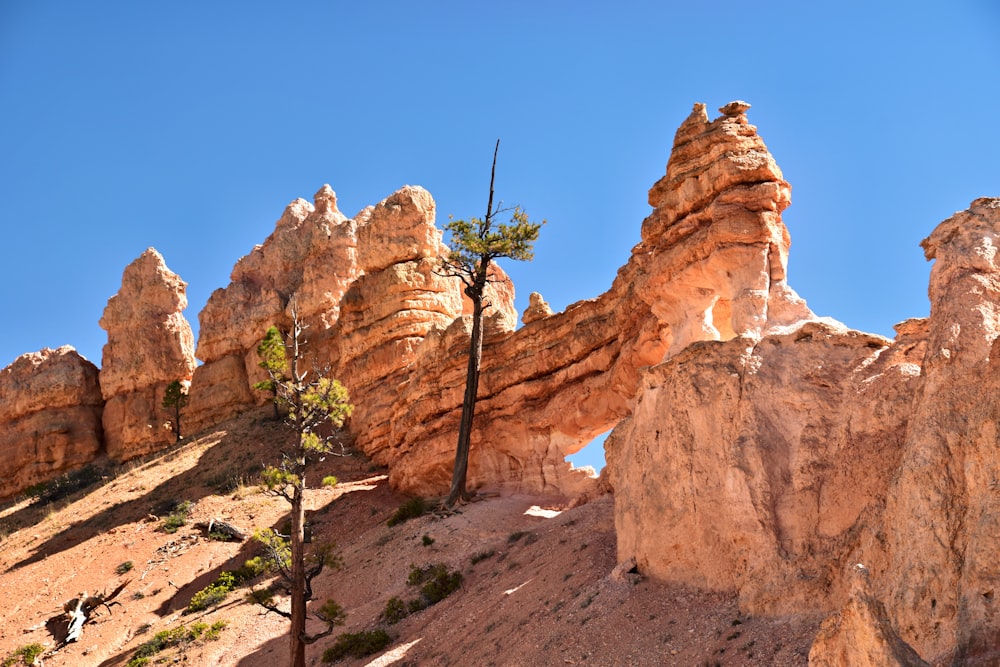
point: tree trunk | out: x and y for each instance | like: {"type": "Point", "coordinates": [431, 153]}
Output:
{"type": "Point", "coordinates": [297, 646]}
{"type": "Point", "coordinates": [475, 291]}
{"type": "Point", "coordinates": [461, 469]}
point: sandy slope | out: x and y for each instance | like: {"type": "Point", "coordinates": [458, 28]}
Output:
{"type": "Point", "coordinates": [546, 595]}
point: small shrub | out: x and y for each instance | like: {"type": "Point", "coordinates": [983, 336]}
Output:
{"type": "Point", "coordinates": [215, 593]}
{"type": "Point", "coordinates": [37, 491]}
{"type": "Point", "coordinates": [215, 630]}
{"type": "Point", "coordinates": [435, 581]}
{"type": "Point", "coordinates": [481, 556]}
{"type": "Point", "coordinates": [207, 597]}
{"type": "Point", "coordinates": [442, 585]}
{"type": "Point", "coordinates": [26, 655]}
{"type": "Point", "coordinates": [251, 569]}
{"type": "Point", "coordinates": [357, 645]}
{"type": "Point", "coordinates": [411, 509]}
{"type": "Point", "coordinates": [177, 518]}
{"type": "Point", "coordinates": [427, 540]}
{"type": "Point", "coordinates": [514, 537]}
{"type": "Point", "coordinates": [395, 611]}
{"type": "Point", "coordinates": [228, 581]}
{"type": "Point", "coordinates": [416, 575]}
{"type": "Point", "coordinates": [197, 629]}
{"type": "Point", "coordinates": [180, 636]}
{"type": "Point", "coordinates": [170, 523]}
{"type": "Point", "coordinates": [124, 567]}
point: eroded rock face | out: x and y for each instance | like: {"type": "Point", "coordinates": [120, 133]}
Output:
{"type": "Point", "coordinates": [368, 289]}
{"type": "Point", "coordinates": [942, 522]}
{"type": "Point", "coordinates": [768, 453]}
{"type": "Point", "coordinates": [781, 459]}
{"type": "Point", "coordinates": [861, 634]}
{"type": "Point", "coordinates": [50, 417]}
{"type": "Point", "coordinates": [150, 345]}
{"type": "Point", "coordinates": [312, 254]}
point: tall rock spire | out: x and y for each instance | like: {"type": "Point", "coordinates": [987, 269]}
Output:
{"type": "Point", "coordinates": [150, 344]}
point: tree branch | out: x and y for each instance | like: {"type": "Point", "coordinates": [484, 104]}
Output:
{"type": "Point", "coordinates": [311, 639]}
{"type": "Point", "coordinates": [270, 606]}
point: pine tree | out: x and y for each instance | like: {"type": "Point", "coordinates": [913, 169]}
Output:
{"type": "Point", "coordinates": [273, 360]}
{"type": "Point", "coordinates": [176, 398]}
{"type": "Point", "coordinates": [474, 245]}
{"type": "Point", "coordinates": [315, 403]}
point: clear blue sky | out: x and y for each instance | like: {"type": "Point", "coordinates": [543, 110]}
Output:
{"type": "Point", "coordinates": [188, 126]}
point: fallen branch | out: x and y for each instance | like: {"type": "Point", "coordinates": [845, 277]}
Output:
{"type": "Point", "coordinates": [79, 609]}
{"type": "Point", "coordinates": [221, 528]}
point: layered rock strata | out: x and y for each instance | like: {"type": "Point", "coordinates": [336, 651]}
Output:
{"type": "Point", "coordinates": [150, 345]}
{"type": "Point", "coordinates": [50, 411]}
{"type": "Point", "coordinates": [312, 252]}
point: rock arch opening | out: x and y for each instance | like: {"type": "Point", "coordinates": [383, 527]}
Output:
{"type": "Point", "coordinates": [591, 454]}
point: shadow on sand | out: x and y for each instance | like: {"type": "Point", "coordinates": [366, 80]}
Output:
{"type": "Point", "coordinates": [227, 459]}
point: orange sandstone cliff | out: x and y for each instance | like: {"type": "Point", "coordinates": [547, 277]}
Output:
{"type": "Point", "coordinates": [50, 417]}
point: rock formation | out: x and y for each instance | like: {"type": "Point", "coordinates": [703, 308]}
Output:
{"type": "Point", "coordinates": [757, 448]}
{"type": "Point", "coordinates": [317, 239]}
{"type": "Point", "coordinates": [861, 634]}
{"type": "Point", "coordinates": [941, 524]}
{"type": "Point", "coordinates": [711, 266]}
{"type": "Point", "coordinates": [783, 456]}
{"type": "Point", "coordinates": [767, 454]}
{"type": "Point", "coordinates": [150, 345]}
{"type": "Point", "coordinates": [367, 288]}
{"type": "Point", "coordinates": [538, 308]}
{"type": "Point", "coordinates": [50, 412]}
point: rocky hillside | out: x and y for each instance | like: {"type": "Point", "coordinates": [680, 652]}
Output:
{"type": "Point", "coordinates": [539, 580]}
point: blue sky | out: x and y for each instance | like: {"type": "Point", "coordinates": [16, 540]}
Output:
{"type": "Point", "coordinates": [188, 126]}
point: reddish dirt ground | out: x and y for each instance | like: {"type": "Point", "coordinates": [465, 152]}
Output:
{"type": "Point", "coordinates": [541, 590]}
